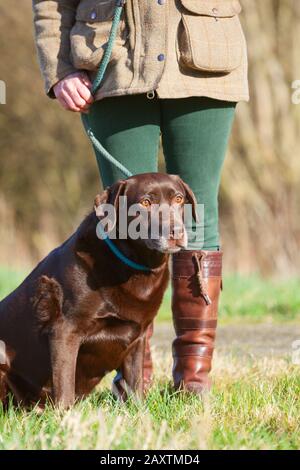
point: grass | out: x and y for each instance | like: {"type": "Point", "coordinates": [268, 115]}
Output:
{"type": "Point", "coordinates": [244, 299]}
{"type": "Point", "coordinates": [252, 299]}
{"type": "Point", "coordinates": [253, 405]}
{"type": "Point", "coordinates": [10, 279]}
{"type": "Point", "coordinates": [254, 402]}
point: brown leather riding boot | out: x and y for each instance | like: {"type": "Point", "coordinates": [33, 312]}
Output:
{"type": "Point", "coordinates": [196, 284]}
{"type": "Point", "coordinates": [119, 388]}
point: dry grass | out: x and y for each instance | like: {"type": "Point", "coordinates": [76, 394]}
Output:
{"type": "Point", "coordinates": [253, 405]}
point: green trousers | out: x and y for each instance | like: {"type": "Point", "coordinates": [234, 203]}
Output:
{"type": "Point", "coordinates": [194, 132]}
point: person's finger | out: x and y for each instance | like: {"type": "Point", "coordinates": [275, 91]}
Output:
{"type": "Point", "coordinates": [63, 103]}
{"type": "Point", "coordinates": [70, 89]}
{"type": "Point", "coordinates": [69, 101]}
{"type": "Point", "coordinates": [60, 99]}
{"type": "Point", "coordinates": [77, 99]}
{"type": "Point", "coordinates": [85, 93]}
{"type": "Point", "coordinates": [86, 81]}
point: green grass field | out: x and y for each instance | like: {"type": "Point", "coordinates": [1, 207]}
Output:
{"type": "Point", "coordinates": [244, 299]}
{"type": "Point", "coordinates": [254, 403]}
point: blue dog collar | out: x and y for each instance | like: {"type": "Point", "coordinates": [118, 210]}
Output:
{"type": "Point", "coordinates": [117, 252]}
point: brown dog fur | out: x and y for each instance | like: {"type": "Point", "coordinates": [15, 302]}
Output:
{"type": "Point", "coordinates": [82, 312]}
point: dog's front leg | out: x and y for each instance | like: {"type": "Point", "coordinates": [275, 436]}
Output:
{"type": "Point", "coordinates": [131, 373]}
{"type": "Point", "coordinates": [64, 346]}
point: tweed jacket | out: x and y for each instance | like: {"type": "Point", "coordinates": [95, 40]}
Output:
{"type": "Point", "coordinates": [179, 48]}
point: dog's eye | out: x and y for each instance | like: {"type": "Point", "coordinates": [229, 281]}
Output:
{"type": "Point", "coordinates": [178, 199]}
{"type": "Point", "coordinates": [146, 202]}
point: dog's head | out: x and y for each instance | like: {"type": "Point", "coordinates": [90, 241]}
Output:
{"type": "Point", "coordinates": [150, 206]}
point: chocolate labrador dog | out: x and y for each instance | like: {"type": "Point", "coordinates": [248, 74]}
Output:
{"type": "Point", "coordinates": [83, 311]}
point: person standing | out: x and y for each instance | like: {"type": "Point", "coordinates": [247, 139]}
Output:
{"type": "Point", "coordinates": [177, 71]}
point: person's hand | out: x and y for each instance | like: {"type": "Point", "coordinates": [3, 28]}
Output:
{"type": "Point", "coordinates": [74, 92]}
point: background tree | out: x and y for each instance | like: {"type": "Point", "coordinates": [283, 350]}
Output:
{"type": "Point", "coordinates": [48, 173]}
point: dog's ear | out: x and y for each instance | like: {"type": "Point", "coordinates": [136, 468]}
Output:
{"type": "Point", "coordinates": [115, 191]}
{"type": "Point", "coordinates": [110, 196]}
{"type": "Point", "coordinates": [99, 200]}
{"type": "Point", "coordinates": [190, 197]}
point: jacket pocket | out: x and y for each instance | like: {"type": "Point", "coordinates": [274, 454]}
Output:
{"type": "Point", "coordinates": [89, 35]}
{"type": "Point", "coordinates": [210, 37]}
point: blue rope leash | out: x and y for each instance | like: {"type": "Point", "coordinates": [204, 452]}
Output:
{"type": "Point", "coordinates": [98, 79]}
{"type": "Point", "coordinates": [97, 145]}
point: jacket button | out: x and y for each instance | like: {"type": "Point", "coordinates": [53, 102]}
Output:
{"type": "Point", "coordinates": [161, 57]}
{"type": "Point", "coordinates": [93, 15]}
{"type": "Point", "coordinates": [161, 2]}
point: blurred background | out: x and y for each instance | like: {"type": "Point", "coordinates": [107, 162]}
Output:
{"type": "Point", "coordinates": [48, 173]}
